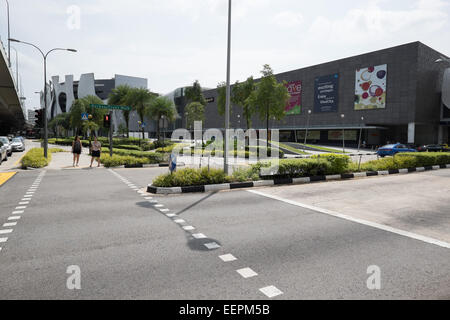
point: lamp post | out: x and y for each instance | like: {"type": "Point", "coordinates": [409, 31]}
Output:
{"type": "Point", "coordinates": [360, 134]}
{"type": "Point", "coordinates": [228, 93]}
{"type": "Point", "coordinates": [17, 68]}
{"type": "Point", "coordinates": [343, 133]}
{"type": "Point", "coordinates": [9, 34]}
{"type": "Point", "coordinates": [44, 55]}
{"type": "Point", "coordinates": [307, 126]}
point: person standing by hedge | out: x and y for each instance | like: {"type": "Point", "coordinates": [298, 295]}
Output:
{"type": "Point", "coordinates": [96, 151]}
{"type": "Point", "coordinates": [76, 150]}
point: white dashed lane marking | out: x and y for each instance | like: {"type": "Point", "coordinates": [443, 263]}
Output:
{"type": "Point", "coordinates": [188, 228]}
{"type": "Point", "coordinates": [21, 207]}
{"type": "Point", "coordinates": [227, 258]}
{"type": "Point", "coordinates": [9, 224]}
{"type": "Point", "coordinates": [199, 236]}
{"type": "Point", "coordinates": [6, 231]}
{"type": "Point", "coordinates": [18, 212]}
{"type": "Point", "coordinates": [14, 218]}
{"type": "Point", "coordinates": [3, 240]}
{"type": "Point", "coordinates": [271, 291]}
{"type": "Point", "coordinates": [212, 245]}
{"type": "Point", "coordinates": [247, 273]}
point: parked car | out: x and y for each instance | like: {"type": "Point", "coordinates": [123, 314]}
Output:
{"type": "Point", "coordinates": [6, 142]}
{"type": "Point", "coordinates": [392, 149]}
{"type": "Point", "coordinates": [431, 148]}
{"type": "Point", "coordinates": [3, 152]}
{"type": "Point", "coordinates": [18, 145]}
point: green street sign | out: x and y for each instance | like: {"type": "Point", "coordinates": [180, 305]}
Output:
{"type": "Point", "coordinates": [104, 106]}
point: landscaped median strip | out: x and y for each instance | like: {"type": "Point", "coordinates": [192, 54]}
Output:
{"type": "Point", "coordinates": [264, 183]}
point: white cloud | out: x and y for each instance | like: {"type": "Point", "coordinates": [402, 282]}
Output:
{"type": "Point", "coordinates": [288, 19]}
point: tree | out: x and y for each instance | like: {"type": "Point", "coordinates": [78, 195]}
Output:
{"type": "Point", "coordinates": [81, 106]}
{"type": "Point", "coordinates": [195, 112]}
{"type": "Point", "coordinates": [269, 98]}
{"type": "Point", "coordinates": [61, 121]}
{"type": "Point", "coordinates": [195, 94]}
{"type": "Point", "coordinates": [139, 99]}
{"type": "Point", "coordinates": [118, 97]}
{"type": "Point", "coordinates": [160, 107]}
{"type": "Point", "coordinates": [239, 97]}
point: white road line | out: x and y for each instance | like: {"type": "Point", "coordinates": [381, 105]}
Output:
{"type": "Point", "coordinates": [212, 245]}
{"type": "Point", "coordinates": [14, 218]}
{"type": "Point", "coordinates": [28, 195]}
{"type": "Point", "coordinates": [189, 228]}
{"type": "Point", "coordinates": [271, 291]}
{"type": "Point", "coordinates": [164, 210]}
{"type": "Point", "coordinates": [153, 201]}
{"type": "Point", "coordinates": [9, 224]}
{"type": "Point", "coordinates": [199, 236]}
{"type": "Point", "coordinates": [159, 206]}
{"type": "Point", "coordinates": [6, 231]}
{"type": "Point", "coordinates": [2, 240]}
{"type": "Point", "coordinates": [22, 203]}
{"type": "Point", "coordinates": [227, 258]}
{"type": "Point", "coordinates": [360, 221]}
{"type": "Point", "coordinates": [148, 198]}
{"type": "Point", "coordinates": [19, 208]}
{"type": "Point", "coordinates": [18, 212]}
{"type": "Point", "coordinates": [171, 215]}
{"type": "Point", "coordinates": [179, 221]}
{"type": "Point", "coordinates": [25, 199]}
{"type": "Point", "coordinates": [247, 273]}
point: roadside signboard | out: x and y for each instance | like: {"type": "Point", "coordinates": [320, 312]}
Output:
{"type": "Point", "coordinates": [84, 116]}
{"type": "Point", "coordinates": [109, 107]}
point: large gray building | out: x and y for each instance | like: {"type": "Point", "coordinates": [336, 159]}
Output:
{"type": "Point", "coordinates": [395, 95]}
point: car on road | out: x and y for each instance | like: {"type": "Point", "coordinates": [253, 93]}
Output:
{"type": "Point", "coordinates": [392, 149]}
{"type": "Point", "coordinates": [18, 145]}
{"type": "Point", "coordinates": [6, 142]}
{"type": "Point", "coordinates": [433, 148]}
{"type": "Point", "coordinates": [3, 152]}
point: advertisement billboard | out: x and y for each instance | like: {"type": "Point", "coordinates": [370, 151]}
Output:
{"type": "Point", "coordinates": [370, 88]}
{"type": "Point", "coordinates": [337, 135]}
{"type": "Point", "coordinates": [326, 90]}
{"type": "Point", "coordinates": [294, 105]}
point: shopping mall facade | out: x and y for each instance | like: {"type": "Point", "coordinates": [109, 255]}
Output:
{"type": "Point", "coordinates": [393, 95]}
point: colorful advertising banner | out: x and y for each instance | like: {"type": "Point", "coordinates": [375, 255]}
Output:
{"type": "Point", "coordinates": [326, 93]}
{"type": "Point", "coordinates": [294, 105]}
{"type": "Point", "coordinates": [337, 135]}
{"type": "Point", "coordinates": [370, 88]}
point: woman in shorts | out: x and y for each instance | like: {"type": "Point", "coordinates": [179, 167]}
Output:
{"type": "Point", "coordinates": [96, 151]}
{"type": "Point", "coordinates": [76, 150]}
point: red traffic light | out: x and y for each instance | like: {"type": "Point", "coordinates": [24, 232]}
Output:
{"type": "Point", "coordinates": [107, 121]}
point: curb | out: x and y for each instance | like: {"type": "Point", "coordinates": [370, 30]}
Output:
{"type": "Point", "coordinates": [350, 155]}
{"type": "Point", "coordinates": [160, 165]}
{"type": "Point", "coordinates": [287, 181]}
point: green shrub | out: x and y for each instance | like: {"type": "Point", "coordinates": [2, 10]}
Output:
{"type": "Point", "coordinates": [339, 163]}
{"type": "Point", "coordinates": [151, 157]}
{"type": "Point", "coordinates": [128, 147]}
{"type": "Point", "coordinates": [245, 174]}
{"type": "Point", "coordinates": [116, 160]}
{"type": "Point", "coordinates": [424, 159]}
{"type": "Point", "coordinates": [35, 159]}
{"type": "Point", "coordinates": [296, 168]}
{"type": "Point", "coordinates": [191, 177]}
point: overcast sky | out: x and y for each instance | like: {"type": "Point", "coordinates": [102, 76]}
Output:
{"type": "Point", "coordinates": [174, 42]}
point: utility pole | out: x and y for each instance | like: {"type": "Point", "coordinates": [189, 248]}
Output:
{"type": "Point", "coordinates": [228, 93]}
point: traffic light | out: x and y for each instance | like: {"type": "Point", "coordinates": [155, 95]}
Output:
{"type": "Point", "coordinates": [39, 116]}
{"type": "Point", "coordinates": [107, 121]}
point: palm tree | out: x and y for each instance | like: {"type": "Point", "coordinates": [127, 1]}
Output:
{"type": "Point", "coordinates": [118, 97]}
{"type": "Point", "coordinates": [139, 99]}
{"type": "Point", "coordinates": [161, 107]}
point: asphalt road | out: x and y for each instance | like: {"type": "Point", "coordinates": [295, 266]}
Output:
{"type": "Point", "coordinates": [126, 247]}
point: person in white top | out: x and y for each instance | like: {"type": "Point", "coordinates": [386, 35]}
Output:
{"type": "Point", "coordinates": [96, 151]}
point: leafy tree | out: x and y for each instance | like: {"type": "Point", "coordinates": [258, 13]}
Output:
{"type": "Point", "coordinates": [195, 94]}
{"type": "Point", "coordinates": [269, 98]}
{"type": "Point", "coordinates": [61, 121]}
{"type": "Point", "coordinates": [160, 107]}
{"type": "Point", "coordinates": [239, 97]}
{"type": "Point", "coordinates": [80, 106]}
{"type": "Point", "coordinates": [139, 99]}
{"type": "Point", "coordinates": [195, 111]}
{"type": "Point", "coordinates": [118, 97]}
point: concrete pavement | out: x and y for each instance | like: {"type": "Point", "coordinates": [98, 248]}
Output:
{"type": "Point", "coordinates": [228, 245]}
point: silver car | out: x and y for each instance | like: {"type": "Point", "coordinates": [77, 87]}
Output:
{"type": "Point", "coordinates": [8, 145]}
{"type": "Point", "coordinates": [18, 144]}
{"type": "Point", "coordinates": [3, 152]}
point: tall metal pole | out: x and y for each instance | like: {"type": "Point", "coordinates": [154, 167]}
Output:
{"type": "Point", "coordinates": [228, 92]}
{"type": "Point", "coordinates": [343, 134]}
{"type": "Point", "coordinates": [360, 134]}
{"type": "Point", "coordinates": [9, 35]}
{"type": "Point", "coordinates": [45, 109]}
{"type": "Point", "coordinates": [307, 126]}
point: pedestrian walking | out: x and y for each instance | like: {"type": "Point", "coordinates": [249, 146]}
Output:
{"type": "Point", "coordinates": [96, 151]}
{"type": "Point", "coordinates": [76, 150]}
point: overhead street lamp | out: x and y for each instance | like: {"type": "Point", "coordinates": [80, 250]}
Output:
{"type": "Point", "coordinates": [307, 126]}
{"type": "Point", "coordinates": [228, 94]}
{"type": "Point", "coordinates": [343, 133]}
{"type": "Point", "coordinates": [44, 55]}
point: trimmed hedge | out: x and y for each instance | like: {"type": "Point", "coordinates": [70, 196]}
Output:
{"type": "Point", "coordinates": [152, 157]}
{"type": "Point", "coordinates": [191, 177]}
{"type": "Point", "coordinates": [35, 158]}
{"type": "Point", "coordinates": [117, 160]}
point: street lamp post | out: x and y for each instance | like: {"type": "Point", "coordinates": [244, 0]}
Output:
{"type": "Point", "coordinates": [307, 126]}
{"type": "Point", "coordinates": [44, 55]}
{"type": "Point", "coordinates": [9, 34]}
{"type": "Point", "coordinates": [360, 134]}
{"type": "Point", "coordinates": [228, 93]}
{"type": "Point", "coordinates": [343, 133]}
{"type": "Point", "coordinates": [17, 69]}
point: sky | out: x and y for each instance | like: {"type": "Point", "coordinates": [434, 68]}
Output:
{"type": "Point", "coordinates": [172, 43]}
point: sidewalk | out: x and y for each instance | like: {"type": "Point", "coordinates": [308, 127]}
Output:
{"type": "Point", "coordinates": [64, 160]}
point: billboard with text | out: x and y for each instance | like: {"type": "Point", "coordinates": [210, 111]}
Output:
{"type": "Point", "coordinates": [326, 93]}
{"type": "Point", "coordinates": [294, 105]}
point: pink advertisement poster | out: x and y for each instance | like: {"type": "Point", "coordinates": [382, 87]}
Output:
{"type": "Point", "coordinates": [294, 105]}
